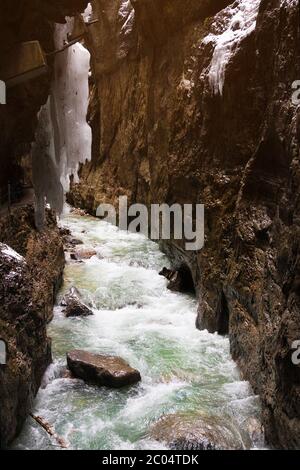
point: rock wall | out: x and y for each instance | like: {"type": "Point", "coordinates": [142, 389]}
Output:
{"type": "Point", "coordinates": [29, 279]}
{"type": "Point", "coordinates": [163, 134]}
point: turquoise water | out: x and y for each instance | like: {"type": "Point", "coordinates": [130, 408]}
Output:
{"type": "Point", "coordinates": [183, 370]}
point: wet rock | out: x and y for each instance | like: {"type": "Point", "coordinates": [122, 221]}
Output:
{"type": "Point", "coordinates": [73, 257]}
{"type": "Point", "coordinates": [256, 432]}
{"type": "Point", "coordinates": [167, 273]}
{"type": "Point", "coordinates": [74, 306]}
{"type": "Point", "coordinates": [64, 232]}
{"type": "Point", "coordinates": [80, 212]}
{"type": "Point", "coordinates": [72, 242]}
{"type": "Point", "coordinates": [175, 281]}
{"type": "Point", "coordinates": [176, 284]}
{"type": "Point", "coordinates": [84, 254]}
{"type": "Point", "coordinates": [67, 374]}
{"type": "Point", "coordinates": [180, 280]}
{"type": "Point", "coordinates": [203, 433]}
{"type": "Point", "coordinates": [73, 292]}
{"type": "Point", "coordinates": [101, 370]}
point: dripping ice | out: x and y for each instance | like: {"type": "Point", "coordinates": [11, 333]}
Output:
{"type": "Point", "coordinates": [230, 27]}
{"type": "Point", "coordinates": [70, 93]}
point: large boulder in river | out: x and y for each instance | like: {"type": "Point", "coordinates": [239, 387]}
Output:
{"type": "Point", "coordinates": [101, 370]}
{"type": "Point", "coordinates": [180, 432]}
{"type": "Point", "coordinates": [74, 306]}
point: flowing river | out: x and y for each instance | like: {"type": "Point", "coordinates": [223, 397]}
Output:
{"type": "Point", "coordinates": [184, 371]}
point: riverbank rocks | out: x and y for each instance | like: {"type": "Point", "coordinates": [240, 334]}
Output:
{"type": "Point", "coordinates": [174, 278]}
{"type": "Point", "coordinates": [202, 433]}
{"type": "Point", "coordinates": [180, 280]}
{"type": "Point", "coordinates": [84, 254]}
{"type": "Point", "coordinates": [101, 370]}
{"type": "Point", "coordinates": [74, 306]}
{"type": "Point", "coordinates": [71, 242]}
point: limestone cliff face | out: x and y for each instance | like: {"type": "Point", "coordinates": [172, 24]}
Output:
{"type": "Point", "coordinates": [162, 134]}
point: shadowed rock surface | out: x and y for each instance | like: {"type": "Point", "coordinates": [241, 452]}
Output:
{"type": "Point", "coordinates": [101, 370]}
{"type": "Point", "coordinates": [29, 280]}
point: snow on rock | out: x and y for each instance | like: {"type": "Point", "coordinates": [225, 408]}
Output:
{"type": "Point", "coordinates": [88, 14]}
{"type": "Point", "coordinates": [10, 253]}
{"type": "Point", "coordinates": [230, 27]}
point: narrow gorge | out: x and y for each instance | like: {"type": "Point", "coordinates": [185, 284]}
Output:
{"type": "Point", "coordinates": [164, 102]}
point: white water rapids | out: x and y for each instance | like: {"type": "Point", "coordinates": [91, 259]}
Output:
{"type": "Point", "coordinates": [183, 370]}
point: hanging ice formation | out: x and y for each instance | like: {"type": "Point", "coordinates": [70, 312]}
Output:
{"type": "Point", "coordinates": [63, 138]}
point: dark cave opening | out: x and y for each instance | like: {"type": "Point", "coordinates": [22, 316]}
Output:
{"type": "Point", "coordinates": [223, 316]}
{"type": "Point", "coordinates": [187, 281]}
